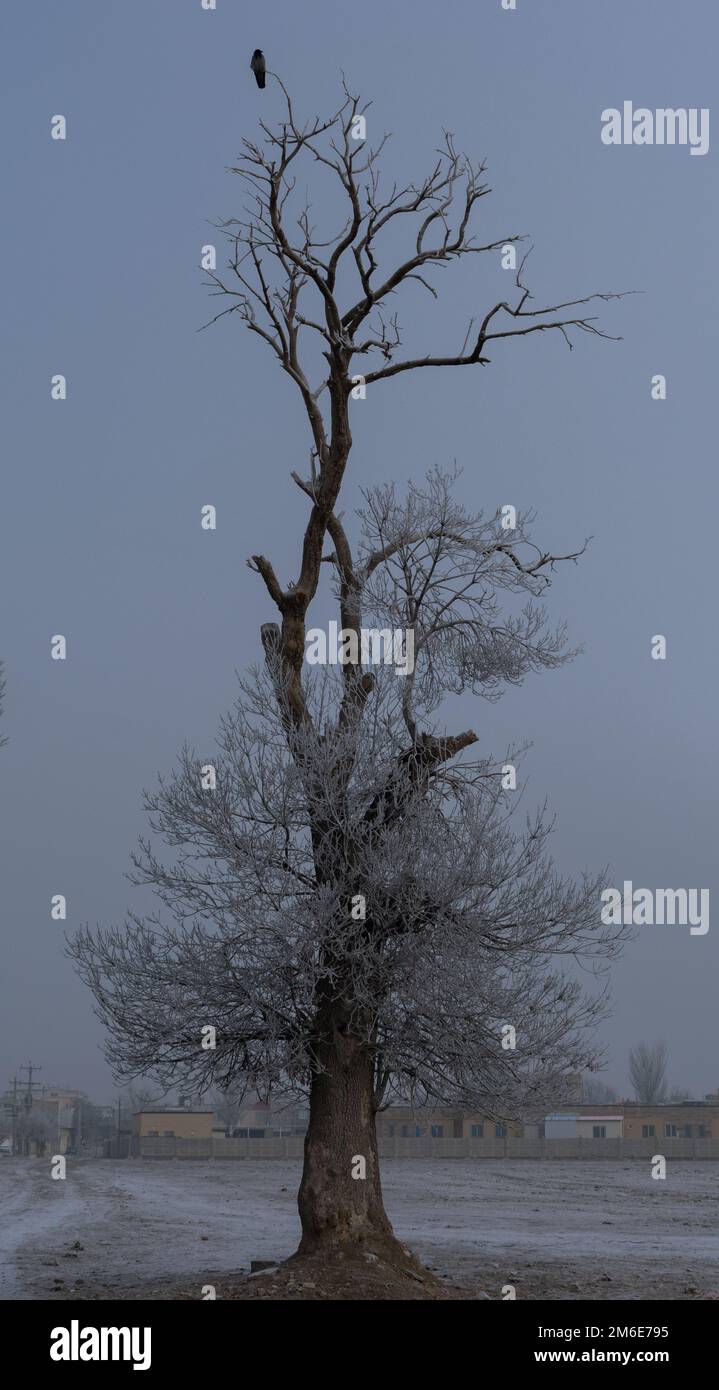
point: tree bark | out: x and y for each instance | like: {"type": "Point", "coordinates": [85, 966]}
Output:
{"type": "Point", "coordinates": [339, 1213]}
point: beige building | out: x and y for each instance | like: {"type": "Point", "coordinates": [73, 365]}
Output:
{"type": "Point", "coordinates": [175, 1122]}
{"type": "Point", "coordinates": [686, 1119]}
{"type": "Point", "coordinates": [50, 1123]}
{"type": "Point", "coordinates": [599, 1126]}
{"type": "Point", "coordinates": [402, 1122]}
{"type": "Point", "coordinates": [615, 1120]}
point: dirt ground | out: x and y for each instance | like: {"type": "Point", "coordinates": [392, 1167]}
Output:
{"type": "Point", "coordinates": [552, 1230]}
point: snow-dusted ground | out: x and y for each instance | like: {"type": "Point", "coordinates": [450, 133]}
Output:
{"type": "Point", "coordinates": [553, 1229]}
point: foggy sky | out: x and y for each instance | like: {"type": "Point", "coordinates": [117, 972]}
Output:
{"type": "Point", "coordinates": [101, 537]}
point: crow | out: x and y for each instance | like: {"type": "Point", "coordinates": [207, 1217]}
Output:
{"type": "Point", "coordinates": [258, 66]}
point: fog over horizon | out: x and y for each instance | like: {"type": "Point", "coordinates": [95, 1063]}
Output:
{"type": "Point", "coordinates": [101, 536]}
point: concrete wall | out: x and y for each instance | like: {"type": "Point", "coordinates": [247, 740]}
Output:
{"type": "Point", "coordinates": [434, 1148]}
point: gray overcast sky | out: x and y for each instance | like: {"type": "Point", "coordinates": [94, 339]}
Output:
{"type": "Point", "coordinates": [100, 524]}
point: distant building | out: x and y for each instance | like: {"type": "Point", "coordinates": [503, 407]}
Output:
{"type": "Point", "coordinates": [173, 1122]}
{"type": "Point", "coordinates": [685, 1119]}
{"type": "Point", "coordinates": [584, 1126]}
{"type": "Point", "coordinates": [449, 1122]}
{"type": "Point", "coordinates": [254, 1121]}
{"type": "Point", "coordinates": [260, 1120]}
{"type": "Point", "coordinates": [560, 1127]}
{"type": "Point", "coordinates": [615, 1120]}
{"type": "Point", "coordinates": [430, 1122]}
{"type": "Point", "coordinates": [689, 1119]}
{"type": "Point", "coordinates": [47, 1121]}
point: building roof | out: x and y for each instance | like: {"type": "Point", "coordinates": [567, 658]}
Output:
{"type": "Point", "coordinates": [174, 1110]}
{"type": "Point", "coordinates": [565, 1115]}
{"type": "Point", "coordinates": [618, 1106]}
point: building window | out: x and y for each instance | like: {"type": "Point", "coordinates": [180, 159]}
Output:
{"type": "Point", "coordinates": [405, 1132]}
{"type": "Point", "coordinates": [599, 1131]}
{"type": "Point", "coordinates": [705, 1132]}
{"type": "Point", "coordinates": [477, 1131]}
{"type": "Point", "coordinates": [500, 1131]}
{"type": "Point", "coordinates": [687, 1131]}
{"type": "Point", "coordinates": [168, 1133]}
{"type": "Point", "coordinates": [256, 1134]}
{"type": "Point", "coordinates": [153, 1133]}
{"type": "Point", "coordinates": [670, 1131]}
{"type": "Point", "coordinates": [648, 1131]}
{"type": "Point", "coordinates": [437, 1131]}
{"type": "Point", "coordinates": [391, 1131]}
{"type": "Point", "coordinates": [418, 1132]}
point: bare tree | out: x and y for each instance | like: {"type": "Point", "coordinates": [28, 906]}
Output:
{"type": "Point", "coordinates": [97, 1124]}
{"type": "Point", "coordinates": [596, 1092]}
{"type": "Point", "coordinates": [35, 1125]}
{"type": "Point", "coordinates": [648, 1072]}
{"type": "Point", "coordinates": [679, 1093]}
{"type": "Point", "coordinates": [136, 1097]}
{"type": "Point", "coordinates": [354, 906]}
{"type": "Point", "coordinates": [228, 1106]}
{"type": "Point", "coordinates": [3, 739]}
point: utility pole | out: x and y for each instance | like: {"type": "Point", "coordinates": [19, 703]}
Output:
{"type": "Point", "coordinates": [30, 1068]}
{"type": "Point", "coordinates": [27, 1099]}
{"type": "Point", "coordinates": [14, 1116]}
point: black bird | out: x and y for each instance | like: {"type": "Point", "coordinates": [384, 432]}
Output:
{"type": "Point", "coordinates": [258, 66]}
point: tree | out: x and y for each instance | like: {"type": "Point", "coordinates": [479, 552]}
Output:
{"type": "Point", "coordinates": [648, 1072]}
{"type": "Point", "coordinates": [136, 1097]}
{"type": "Point", "coordinates": [228, 1105]}
{"type": "Point", "coordinates": [679, 1093]}
{"type": "Point", "coordinates": [97, 1123]}
{"type": "Point", "coordinates": [3, 739]}
{"type": "Point", "coordinates": [353, 906]}
{"type": "Point", "coordinates": [597, 1092]}
{"type": "Point", "coordinates": [35, 1125]}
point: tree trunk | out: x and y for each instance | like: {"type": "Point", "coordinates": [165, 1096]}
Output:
{"type": "Point", "coordinates": [341, 1213]}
